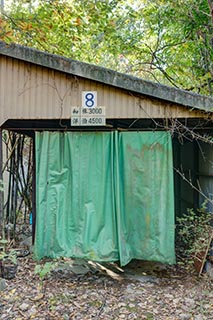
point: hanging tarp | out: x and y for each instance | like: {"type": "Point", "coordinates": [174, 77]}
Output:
{"type": "Point", "coordinates": [104, 196]}
{"type": "Point", "coordinates": [146, 213]}
{"type": "Point", "coordinates": [75, 196]}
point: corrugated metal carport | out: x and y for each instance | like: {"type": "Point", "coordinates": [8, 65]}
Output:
{"type": "Point", "coordinates": [37, 91]}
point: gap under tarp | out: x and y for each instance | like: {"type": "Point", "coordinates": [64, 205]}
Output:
{"type": "Point", "coordinates": [105, 196]}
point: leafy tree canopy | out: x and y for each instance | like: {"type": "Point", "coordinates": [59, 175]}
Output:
{"type": "Point", "coordinates": [164, 40]}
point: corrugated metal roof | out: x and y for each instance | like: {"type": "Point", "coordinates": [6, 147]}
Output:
{"type": "Point", "coordinates": [29, 91]}
{"type": "Point", "coordinates": [107, 76]}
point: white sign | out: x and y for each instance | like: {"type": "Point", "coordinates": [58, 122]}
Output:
{"type": "Point", "coordinates": [89, 114]}
{"type": "Point", "coordinates": [98, 111]}
{"type": "Point", "coordinates": [89, 99]}
{"type": "Point", "coordinates": [75, 121]}
{"type": "Point", "coordinates": [75, 111]}
{"type": "Point", "coordinates": [93, 121]}
{"type": "Point", "coordinates": [88, 121]}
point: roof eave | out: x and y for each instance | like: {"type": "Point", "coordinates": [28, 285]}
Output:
{"type": "Point", "coordinates": [108, 76]}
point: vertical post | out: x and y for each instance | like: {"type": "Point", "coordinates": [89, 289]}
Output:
{"type": "Point", "coordinates": [177, 179]}
{"type": "Point", "coordinates": [1, 188]}
{"type": "Point", "coordinates": [196, 171]}
{"type": "Point", "coordinates": [34, 192]}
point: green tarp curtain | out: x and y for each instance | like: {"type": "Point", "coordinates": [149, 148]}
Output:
{"type": "Point", "coordinates": [105, 196]}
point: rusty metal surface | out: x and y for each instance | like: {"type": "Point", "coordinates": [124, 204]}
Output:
{"type": "Point", "coordinates": [107, 76]}
{"type": "Point", "coordinates": [28, 91]}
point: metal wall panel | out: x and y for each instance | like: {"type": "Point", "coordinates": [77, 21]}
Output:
{"type": "Point", "coordinates": [2, 88]}
{"type": "Point", "coordinates": [185, 162]}
{"type": "Point", "coordinates": [206, 173]}
{"type": "Point", "coordinates": [32, 92]}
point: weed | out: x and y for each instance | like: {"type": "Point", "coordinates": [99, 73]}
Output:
{"type": "Point", "coordinates": [192, 234]}
{"type": "Point", "coordinates": [44, 269]}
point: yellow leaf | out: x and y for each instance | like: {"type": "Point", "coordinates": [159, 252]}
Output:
{"type": "Point", "coordinates": [38, 297]}
{"type": "Point", "coordinates": [13, 291]}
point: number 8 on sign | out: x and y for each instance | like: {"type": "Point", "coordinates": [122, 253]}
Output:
{"type": "Point", "coordinates": [89, 99]}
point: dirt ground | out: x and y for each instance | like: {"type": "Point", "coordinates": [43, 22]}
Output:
{"type": "Point", "coordinates": [82, 290]}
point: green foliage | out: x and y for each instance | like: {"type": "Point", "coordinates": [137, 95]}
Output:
{"type": "Point", "coordinates": [163, 40]}
{"type": "Point", "coordinates": [3, 243]}
{"type": "Point", "coordinates": [1, 185]}
{"type": "Point", "coordinates": [44, 269]}
{"type": "Point", "coordinates": [193, 232]}
{"type": "Point", "coordinates": [7, 255]}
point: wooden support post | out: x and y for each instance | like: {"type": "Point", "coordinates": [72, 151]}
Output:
{"type": "Point", "coordinates": [1, 188]}
{"type": "Point", "coordinates": [34, 193]}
